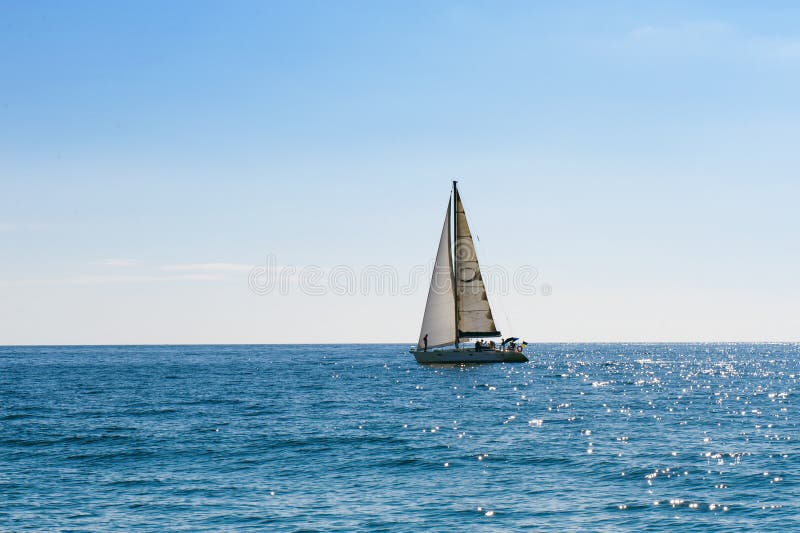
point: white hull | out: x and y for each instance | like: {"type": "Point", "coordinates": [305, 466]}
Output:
{"type": "Point", "coordinates": [466, 356]}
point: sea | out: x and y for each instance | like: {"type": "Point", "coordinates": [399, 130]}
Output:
{"type": "Point", "coordinates": [584, 437]}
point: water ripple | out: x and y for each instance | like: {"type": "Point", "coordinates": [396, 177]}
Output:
{"type": "Point", "coordinates": [689, 437]}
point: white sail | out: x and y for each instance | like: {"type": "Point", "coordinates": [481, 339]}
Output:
{"type": "Point", "coordinates": [439, 322]}
{"type": "Point", "coordinates": [474, 313]}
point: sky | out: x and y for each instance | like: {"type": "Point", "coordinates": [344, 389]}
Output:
{"type": "Point", "coordinates": [642, 158]}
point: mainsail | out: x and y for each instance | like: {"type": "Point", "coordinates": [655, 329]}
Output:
{"type": "Point", "coordinates": [473, 311]}
{"type": "Point", "coordinates": [439, 320]}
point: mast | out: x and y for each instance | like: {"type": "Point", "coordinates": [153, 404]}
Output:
{"type": "Point", "coordinates": [473, 312]}
{"type": "Point", "coordinates": [455, 260]}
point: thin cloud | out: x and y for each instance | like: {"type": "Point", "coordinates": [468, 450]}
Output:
{"type": "Point", "coordinates": [119, 262]}
{"type": "Point", "coordinates": [27, 226]}
{"type": "Point", "coordinates": [100, 279]}
{"type": "Point", "coordinates": [189, 272]}
{"type": "Point", "coordinates": [779, 48]}
{"type": "Point", "coordinates": [704, 30]}
{"type": "Point", "coordinates": [209, 267]}
{"type": "Point", "coordinates": [139, 279]}
{"type": "Point", "coordinates": [712, 38]}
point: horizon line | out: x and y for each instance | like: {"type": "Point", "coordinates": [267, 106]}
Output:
{"type": "Point", "coordinates": [529, 343]}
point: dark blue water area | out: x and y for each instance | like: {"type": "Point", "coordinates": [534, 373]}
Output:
{"type": "Point", "coordinates": [585, 437]}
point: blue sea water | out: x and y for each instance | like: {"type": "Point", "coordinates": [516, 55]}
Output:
{"type": "Point", "coordinates": [594, 437]}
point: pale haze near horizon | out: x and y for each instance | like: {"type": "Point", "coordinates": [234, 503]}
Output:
{"type": "Point", "coordinates": [643, 158]}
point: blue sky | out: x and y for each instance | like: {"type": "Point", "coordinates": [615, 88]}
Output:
{"type": "Point", "coordinates": [643, 158]}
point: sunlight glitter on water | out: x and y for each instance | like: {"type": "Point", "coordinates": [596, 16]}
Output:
{"type": "Point", "coordinates": [675, 435]}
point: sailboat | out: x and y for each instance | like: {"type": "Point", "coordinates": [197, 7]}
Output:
{"type": "Point", "coordinates": [457, 309]}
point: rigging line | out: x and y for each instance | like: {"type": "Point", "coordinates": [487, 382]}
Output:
{"type": "Point", "coordinates": [505, 227]}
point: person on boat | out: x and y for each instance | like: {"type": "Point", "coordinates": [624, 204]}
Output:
{"type": "Point", "coordinates": [492, 345]}
{"type": "Point", "coordinates": [425, 340]}
{"type": "Point", "coordinates": [478, 346]}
